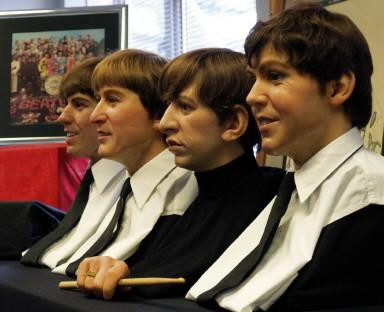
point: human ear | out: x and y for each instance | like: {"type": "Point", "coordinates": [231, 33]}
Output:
{"type": "Point", "coordinates": [236, 125]}
{"type": "Point", "coordinates": [156, 124]}
{"type": "Point", "coordinates": [341, 89]}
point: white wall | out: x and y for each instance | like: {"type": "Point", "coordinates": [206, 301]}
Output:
{"type": "Point", "coordinates": [368, 15]}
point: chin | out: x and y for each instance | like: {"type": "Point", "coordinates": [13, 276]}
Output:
{"type": "Point", "coordinates": [103, 152]}
{"type": "Point", "coordinates": [270, 150]}
{"type": "Point", "coordinates": [72, 151]}
{"type": "Point", "coordinates": [183, 164]}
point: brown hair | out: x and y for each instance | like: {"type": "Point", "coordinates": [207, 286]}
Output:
{"type": "Point", "coordinates": [136, 70]}
{"type": "Point", "coordinates": [78, 79]}
{"type": "Point", "coordinates": [325, 46]}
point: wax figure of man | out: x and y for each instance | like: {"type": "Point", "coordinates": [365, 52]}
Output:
{"type": "Point", "coordinates": [101, 192]}
{"type": "Point", "coordinates": [311, 96]}
{"type": "Point", "coordinates": [208, 131]}
{"type": "Point", "coordinates": [127, 118]}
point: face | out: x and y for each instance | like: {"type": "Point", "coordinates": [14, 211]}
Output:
{"type": "Point", "coordinates": [125, 131]}
{"type": "Point", "coordinates": [193, 133]}
{"type": "Point", "coordinates": [292, 114]}
{"type": "Point", "coordinates": [81, 133]}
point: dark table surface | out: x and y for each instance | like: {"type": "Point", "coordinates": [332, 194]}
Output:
{"type": "Point", "coordinates": [36, 290]}
{"type": "Point", "coordinates": [27, 289]}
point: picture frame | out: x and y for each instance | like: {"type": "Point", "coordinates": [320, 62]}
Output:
{"type": "Point", "coordinates": [37, 47]}
{"type": "Point", "coordinates": [382, 145]}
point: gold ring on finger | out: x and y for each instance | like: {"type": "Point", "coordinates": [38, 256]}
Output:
{"type": "Point", "coordinates": [91, 273]}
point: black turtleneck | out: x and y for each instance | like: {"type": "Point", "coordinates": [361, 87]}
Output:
{"type": "Point", "coordinates": [230, 197]}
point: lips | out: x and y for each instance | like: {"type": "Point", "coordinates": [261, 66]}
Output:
{"type": "Point", "coordinates": [70, 133]}
{"type": "Point", "coordinates": [263, 121]}
{"type": "Point", "coordinates": [174, 146]}
{"type": "Point", "coordinates": [102, 135]}
{"type": "Point", "coordinates": [171, 142]}
{"type": "Point", "coordinates": [266, 124]}
{"type": "Point", "coordinates": [70, 136]}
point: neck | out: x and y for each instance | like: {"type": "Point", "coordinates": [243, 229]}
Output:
{"type": "Point", "coordinates": [227, 154]}
{"type": "Point", "coordinates": [94, 160]}
{"type": "Point", "coordinates": [136, 159]}
{"type": "Point", "coordinates": [335, 128]}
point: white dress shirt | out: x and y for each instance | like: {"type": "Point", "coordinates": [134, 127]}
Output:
{"type": "Point", "coordinates": [340, 179]}
{"type": "Point", "coordinates": [109, 177]}
{"type": "Point", "coordinates": [158, 188]}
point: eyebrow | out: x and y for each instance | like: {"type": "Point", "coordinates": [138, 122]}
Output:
{"type": "Point", "coordinates": [265, 65]}
{"type": "Point", "coordinates": [110, 90]}
{"type": "Point", "coordinates": [83, 97]}
{"type": "Point", "coordinates": [185, 98]}
{"type": "Point", "coordinates": [79, 98]}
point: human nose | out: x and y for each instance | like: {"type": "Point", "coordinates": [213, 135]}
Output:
{"type": "Point", "coordinates": [98, 114]}
{"type": "Point", "coordinates": [168, 122]}
{"type": "Point", "coordinates": [65, 116]}
{"type": "Point", "coordinates": [257, 96]}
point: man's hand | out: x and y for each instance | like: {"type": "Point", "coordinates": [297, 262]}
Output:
{"type": "Point", "coordinates": [99, 276]}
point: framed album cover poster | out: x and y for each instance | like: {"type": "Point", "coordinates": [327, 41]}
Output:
{"type": "Point", "coordinates": [37, 48]}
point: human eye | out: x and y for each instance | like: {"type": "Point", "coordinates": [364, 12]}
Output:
{"type": "Point", "coordinates": [78, 104]}
{"type": "Point", "coordinates": [112, 99]}
{"type": "Point", "coordinates": [275, 76]}
{"type": "Point", "coordinates": [184, 107]}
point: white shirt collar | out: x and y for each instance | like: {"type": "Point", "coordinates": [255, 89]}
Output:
{"type": "Point", "coordinates": [334, 154]}
{"type": "Point", "coordinates": [103, 172]}
{"type": "Point", "coordinates": [145, 180]}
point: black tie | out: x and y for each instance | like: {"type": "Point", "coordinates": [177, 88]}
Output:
{"type": "Point", "coordinates": [247, 265]}
{"type": "Point", "coordinates": [110, 232]}
{"type": "Point", "coordinates": [70, 220]}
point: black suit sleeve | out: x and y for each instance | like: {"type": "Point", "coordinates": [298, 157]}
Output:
{"type": "Point", "coordinates": [346, 269]}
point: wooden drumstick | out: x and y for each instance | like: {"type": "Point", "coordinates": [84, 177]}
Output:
{"type": "Point", "coordinates": [132, 282]}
